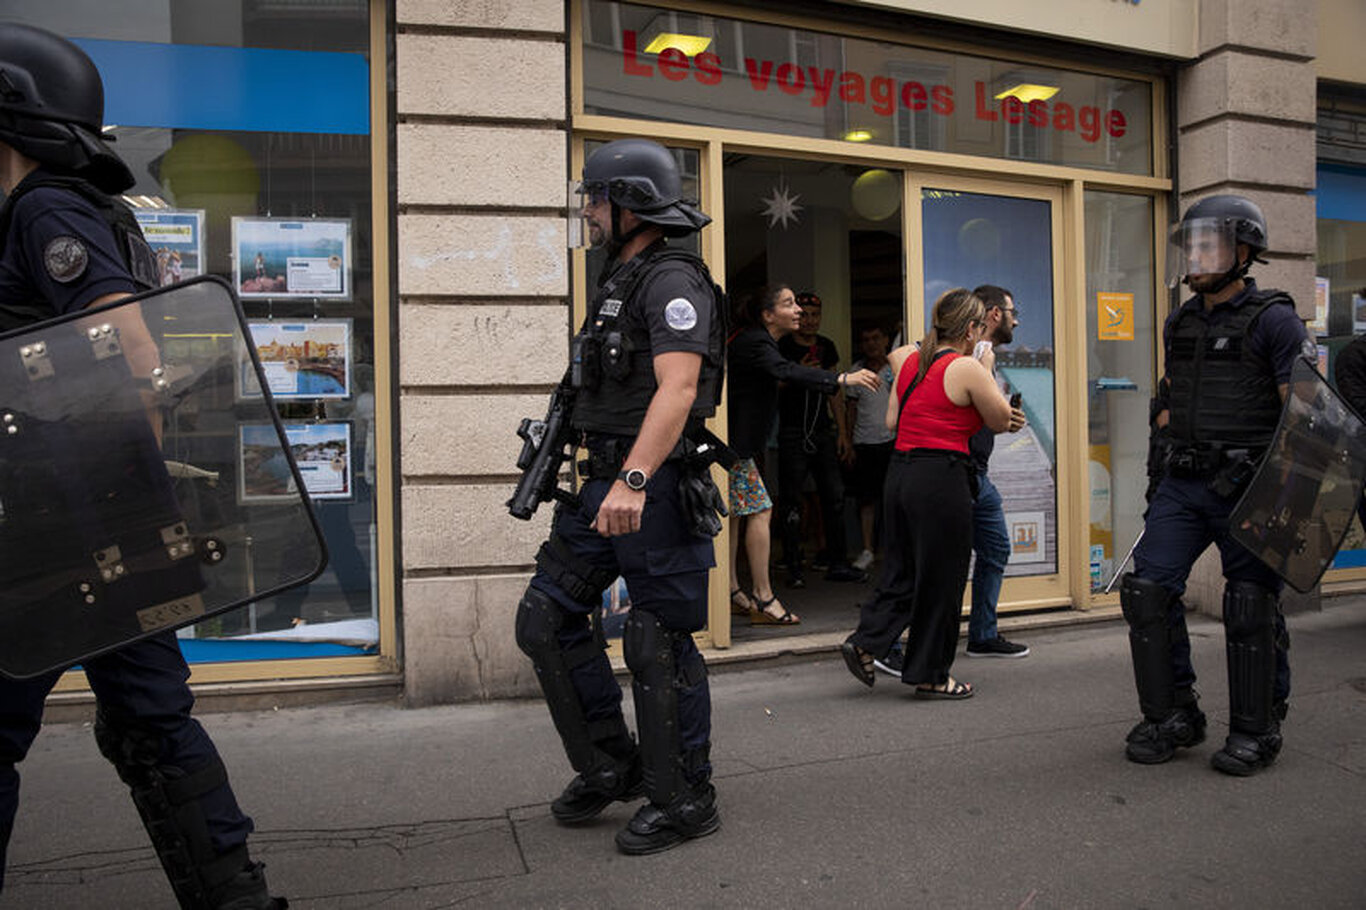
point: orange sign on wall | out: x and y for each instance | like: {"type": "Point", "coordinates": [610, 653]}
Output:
{"type": "Point", "coordinates": [1115, 316]}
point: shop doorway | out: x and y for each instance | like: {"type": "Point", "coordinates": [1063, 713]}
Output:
{"type": "Point", "coordinates": [834, 231]}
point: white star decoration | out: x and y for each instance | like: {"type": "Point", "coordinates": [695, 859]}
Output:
{"type": "Point", "coordinates": [781, 205]}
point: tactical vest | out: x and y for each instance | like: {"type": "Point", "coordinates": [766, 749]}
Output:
{"type": "Point", "coordinates": [1220, 394]}
{"type": "Point", "coordinates": [138, 257]}
{"type": "Point", "coordinates": [612, 365]}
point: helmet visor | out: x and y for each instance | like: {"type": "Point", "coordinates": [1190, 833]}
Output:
{"type": "Point", "coordinates": [1201, 246]}
{"type": "Point", "coordinates": [582, 195]}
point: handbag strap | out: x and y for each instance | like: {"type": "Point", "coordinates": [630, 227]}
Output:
{"type": "Point", "coordinates": [914, 382]}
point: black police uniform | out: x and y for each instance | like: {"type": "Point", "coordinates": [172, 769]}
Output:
{"type": "Point", "coordinates": [656, 303]}
{"type": "Point", "coordinates": [61, 251]}
{"type": "Point", "coordinates": [1224, 368]}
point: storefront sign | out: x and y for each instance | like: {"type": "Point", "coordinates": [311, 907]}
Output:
{"type": "Point", "coordinates": [650, 63]}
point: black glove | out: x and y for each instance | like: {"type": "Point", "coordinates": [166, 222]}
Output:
{"type": "Point", "coordinates": [702, 503]}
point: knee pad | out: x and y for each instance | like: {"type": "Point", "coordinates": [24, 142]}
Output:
{"type": "Point", "coordinates": [1145, 604]}
{"type": "Point", "coordinates": [1250, 641]}
{"type": "Point", "coordinates": [540, 623]}
{"type": "Point", "coordinates": [649, 651]}
{"type": "Point", "coordinates": [168, 799]}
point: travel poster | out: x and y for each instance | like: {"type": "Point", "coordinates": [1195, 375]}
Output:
{"type": "Point", "coordinates": [284, 257]}
{"type": "Point", "coordinates": [177, 239]}
{"type": "Point", "coordinates": [307, 359]}
{"type": "Point", "coordinates": [321, 450]}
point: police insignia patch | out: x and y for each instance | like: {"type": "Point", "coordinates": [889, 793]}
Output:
{"type": "Point", "coordinates": [680, 314]}
{"type": "Point", "coordinates": [65, 258]}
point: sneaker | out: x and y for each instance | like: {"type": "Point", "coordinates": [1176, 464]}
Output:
{"type": "Point", "coordinates": [892, 663]}
{"type": "Point", "coordinates": [1154, 742]}
{"type": "Point", "coordinates": [864, 560]}
{"type": "Point", "coordinates": [997, 647]}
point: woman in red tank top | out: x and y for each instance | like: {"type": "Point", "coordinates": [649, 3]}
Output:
{"type": "Point", "coordinates": [927, 502]}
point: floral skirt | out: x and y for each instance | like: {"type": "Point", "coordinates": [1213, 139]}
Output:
{"type": "Point", "coordinates": [748, 495]}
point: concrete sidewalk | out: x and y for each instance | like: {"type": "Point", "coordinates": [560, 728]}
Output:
{"type": "Point", "coordinates": [831, 796]}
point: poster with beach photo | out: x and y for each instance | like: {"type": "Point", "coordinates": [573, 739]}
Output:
{"type": "Point", "coordinates": [321, 450]}
{"type": "Point", "coordinates": [292, 258]}
{"type": "Point", "coordinates": [177, 239]}
{"type": "Point", "coordinates": [304, 359]}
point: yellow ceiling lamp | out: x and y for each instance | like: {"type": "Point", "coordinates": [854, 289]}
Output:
{"type": "Point", "coordinates": [691, 45]}
{"type": "Point", "coordinates": [1028, 91]}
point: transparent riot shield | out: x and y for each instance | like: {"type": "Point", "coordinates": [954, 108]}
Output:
{"type": "Point", "coordinates": [145, 480]}
{"type": "Point", "coordinates": [1295, 511]}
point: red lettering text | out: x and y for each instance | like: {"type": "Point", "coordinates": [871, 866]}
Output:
{"type": "Point", "coordinates": [884, 101]}
{"type": "Point", "coordinates": [943, 99]}
{"type": "Point", "coordinates": [759, 75]}
{"type": "Point", "coordinates": [913, 96]}
{"type": "Point", "coordinates": [1038, 113]}
{"type": "Point", "coordinates": [1090, 123]}
{"type": "Point", "coordinates": [629, 66]}
{"type": "Point", "coordinates": [791, 79]}
{"type": "Point", "coordinates": [708, 70]}
{"type": "Point", "coordinates": [673, 64]}
{"type": "Point", "coordinates": [1064, 121]}
{"type": "Point", "coordinates": [983, 112]}
{"type": "Point", "coordinates": [851, 87]}
{"type": "Point", "coordinates": [822, 81]}
{"type": "Point", "coordinates": [1012, 108]}
{"type": "Point", "coordinates": [1115, 123]}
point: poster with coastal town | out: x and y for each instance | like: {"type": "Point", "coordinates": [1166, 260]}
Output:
{"type": "Point", "coordinates": [308, 359]}
{"type": "Point", "coordinates": [321, 450]}
{"type": "Point", "coordinates": [292, 258]}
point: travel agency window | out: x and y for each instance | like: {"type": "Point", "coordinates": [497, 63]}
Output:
{"type": "Point", "coordinates": [877, 174]}
{"type": "Point", "coordinates": [1340, 292]}
{"type": "Point", "coordinates": [248, 126]}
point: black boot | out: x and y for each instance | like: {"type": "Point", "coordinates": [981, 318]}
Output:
{"type": "Point", "coordinates": [655, 828]}
{"type": "Point", "coordinates": [591, 792]}
{"type": "Point", "coordinates": [246, 891]}
{"type": "Point", "coordinates": [1152, 742]}
{"type": "Point", "coordinates": [1244, 754]}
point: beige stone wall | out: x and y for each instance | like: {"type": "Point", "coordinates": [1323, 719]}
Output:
{"type": "Point", "coordinates": [1246, 113]}
{"type": "Point", "coordinates": [483, 322]}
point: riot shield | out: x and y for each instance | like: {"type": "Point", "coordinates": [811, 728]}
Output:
{"type": "Point", "coordinates": [1295, 511]}
{"type": "Point", "coordinates": [145, 480]}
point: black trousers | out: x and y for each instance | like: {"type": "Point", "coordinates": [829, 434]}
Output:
{"type": "Point", "coordinates": [817, 456]}
{"type": "Point", "coordinates": [927, 509]}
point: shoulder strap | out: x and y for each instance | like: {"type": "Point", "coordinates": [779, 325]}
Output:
{"type": "Point", "coordinates": [910, 388]}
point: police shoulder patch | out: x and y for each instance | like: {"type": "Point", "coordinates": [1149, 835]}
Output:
{"type": "Point", "coordinates": [680, 314]}
{"type": "Point", "coordinates": [65, 258]}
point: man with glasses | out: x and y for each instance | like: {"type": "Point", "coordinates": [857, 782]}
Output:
{"type": "Point", "coordinates": [990, 538]}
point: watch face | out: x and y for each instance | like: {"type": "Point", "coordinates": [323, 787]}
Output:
{"type": "Point", "coordinates": [635, 479]}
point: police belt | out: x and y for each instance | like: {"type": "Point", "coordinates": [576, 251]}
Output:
{"type": "Point", "coordinates": [607, 451]}
{"type": "Point", "coordinates": [1204, 462]}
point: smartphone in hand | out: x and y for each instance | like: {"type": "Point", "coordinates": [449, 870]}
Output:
{"type": "Point", "coordinates": [980, 349]}
{"type": "Point", "coordinates": [1016, 399]}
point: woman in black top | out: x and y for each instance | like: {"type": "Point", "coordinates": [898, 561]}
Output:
{"type": "Point", "coordinates": [756, 367]}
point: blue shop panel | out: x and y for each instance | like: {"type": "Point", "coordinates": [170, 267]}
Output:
{"type": "Point", "coordinates": [1341, 193]}
{"type": "Point", "coordinates": [193, 86]}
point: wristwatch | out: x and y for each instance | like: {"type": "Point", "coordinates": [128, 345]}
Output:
{"type": "Point", "coordinates": [634, 479]}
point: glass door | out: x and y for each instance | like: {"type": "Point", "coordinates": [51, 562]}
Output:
{"type": "Point", "coordinates": [977, 233]}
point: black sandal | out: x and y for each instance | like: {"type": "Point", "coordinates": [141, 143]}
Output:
{"type": "Point", "coordinates": [950, 689]}
{"type": "Point", "coordinates": [740, 603]}
{"type": "Point", "coordinates": [859, 662]}
{"type": "Point", "coordinates": [761, 616]}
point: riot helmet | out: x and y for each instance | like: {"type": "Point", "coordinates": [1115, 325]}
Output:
{"type": "Point", "coordinates": [1206, 241]}
{"type": "Point", "coordinates": [52, 106]}
{"type": "Point", "coordinates": [639, 176]}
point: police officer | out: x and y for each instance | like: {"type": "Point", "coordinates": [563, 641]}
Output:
{"type": "Point", "coordinates": [646, 365]}
{"type": "Point", "coordinates": [65, 244]}
{"type": "Point", "coordinates": [1229, 352]}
